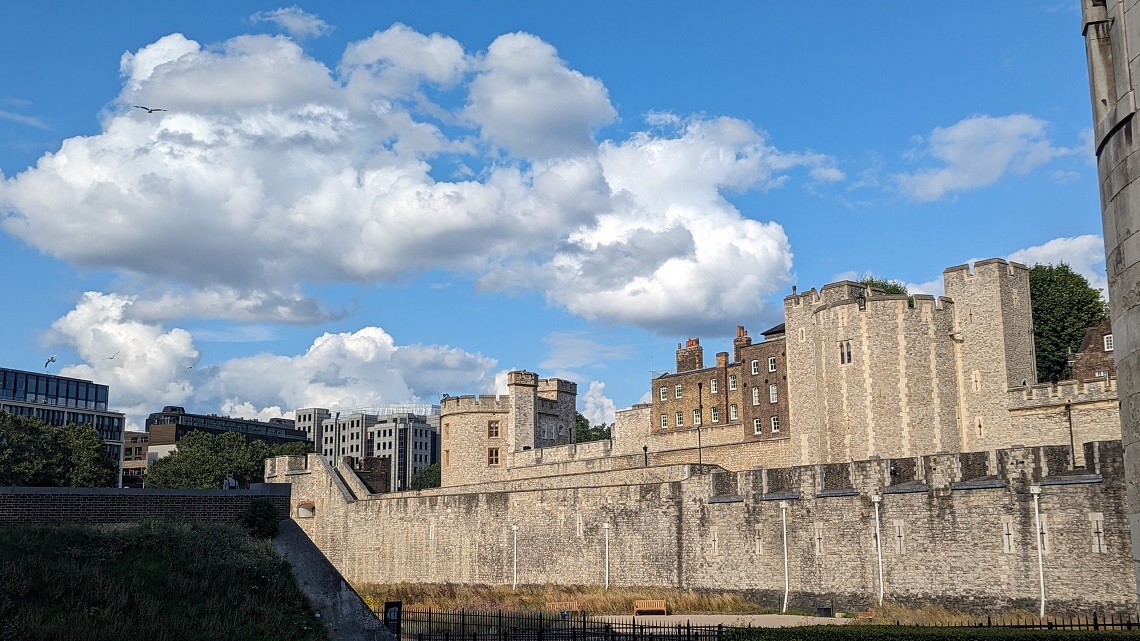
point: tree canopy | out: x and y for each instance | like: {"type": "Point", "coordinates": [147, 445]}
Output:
{"type": "Point", "coordinates": [203, 460]}
{"type": "Point", "coordinates": [427, 477]}
{"type": "Point", "coordinates": [889, 286]}
{"type": "Point", "coordinates": [584, 432]}
{"type": "Point", "coordinates": [35, 454]}
{"type": "Point", "coordinates": [1064, 306]}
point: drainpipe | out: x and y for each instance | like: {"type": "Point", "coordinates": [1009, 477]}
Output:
{"type": "Point", "coordinates": [784, 519]}
{"type": "Point", "coordinates": [877, 499]}
{"type": "Point", "coordinates": [606, 527]}
{"type": "Point", "coordinates": [515, 568]}
{"type": "Point", "coordinates": [1035, 490]}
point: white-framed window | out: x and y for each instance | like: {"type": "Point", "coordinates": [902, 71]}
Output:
{"type": "Point", "coordinates": [664, 395]}
{"type": "Point", "coordinates": [680, 419]}
{"type": "Point", "coordinates": [755, 366]}
{"type": "Point", "coordinates": [732, 413]}
{"type": "Point", "coordinates": [757, 426]}
{"type": "Point", "coordinates": [664, 421]}
{"type": "Point", "coordinates": [755, 395]}
{"type": "Point", "coordinates": [696, 417]}
{"type": "Point", "coordinates": [1108, 342]}
{"type": "Point", "coordinates": [677, 392]}
{"type": "Point", "coordinates": [716, 415]}
{"type": "Point", "coordinates": [773, 393]}
{"type": "Point", "coordinates": [732, 381]}
{"type": "Point", "coordinates": [771, 363]}
{"type": "Point", "coordinates": [775, 424]}
{"type": "Point", "coordinates": [712, 386]}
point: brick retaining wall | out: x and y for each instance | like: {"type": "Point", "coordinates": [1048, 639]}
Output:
{"type": "Point", "coordinates": [47, 505]}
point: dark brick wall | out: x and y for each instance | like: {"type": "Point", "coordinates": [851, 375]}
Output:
{"type": "Point", "coordinates": [46, 505]}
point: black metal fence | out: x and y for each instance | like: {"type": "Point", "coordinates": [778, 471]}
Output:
{"type": "Point", "coordinates": [1077, 622]}
{"type": "Point", "coordinates": [474, 625]}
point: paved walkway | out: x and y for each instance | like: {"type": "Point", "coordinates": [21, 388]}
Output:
{"type": "Point", "coordinates": [739, 620]}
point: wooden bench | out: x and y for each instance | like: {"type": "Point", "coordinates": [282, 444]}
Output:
{"type": "Point", "coordinates": [643, 606]}
{"type": "Point", "coordinates": [564, 606]}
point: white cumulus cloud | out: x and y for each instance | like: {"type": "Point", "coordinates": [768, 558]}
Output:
{"type": "Point", "coordinates": [596, 406]}
{"type": "Point", "coordinates": [148, 366]}
{"type": "Point", "coordinates": [269, 172]}
{"type": "Point", "coordinates": [294, 21]}
{"type": "Point", "coordinates": [976, 152]}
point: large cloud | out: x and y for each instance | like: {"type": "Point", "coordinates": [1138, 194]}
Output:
{"type": "Point", "coordinates": [270, 172]}
{"type": "Point", "coordinates": [1084, 254]}
{"type": "Point", "coordinates": [148, 366]}
{"type": "Point", "coordinates": [976, 152]}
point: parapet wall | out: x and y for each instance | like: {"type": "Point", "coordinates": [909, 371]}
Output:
{"type": "Point", "coordinates": [1070, 411]}
{"type": "Point", "coordinates": [21, 506]}
{"type": "Point", "coordinates": [957, 529]}
{"type": "Point", "coordinates": [472, 403]}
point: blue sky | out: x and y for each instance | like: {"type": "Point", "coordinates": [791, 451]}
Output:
{"type": "Point", "coordinates": [357, 203]}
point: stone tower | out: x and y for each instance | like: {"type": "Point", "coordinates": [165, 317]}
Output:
{"type": "Point", "coordinates": [1112, 29]}
{"type": "Point", "coordinates": [993, 341]}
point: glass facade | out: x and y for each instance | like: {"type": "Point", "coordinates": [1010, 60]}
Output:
{"type": "Point", "coordinates": [57, 400]}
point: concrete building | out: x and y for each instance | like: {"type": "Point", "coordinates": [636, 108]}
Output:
{"type": "Point", "coordinates": [405, 435]}
{"type": "Point", "coordinates": [1111, 29]}
{"type": "Point", "coordinates": [59, 400]}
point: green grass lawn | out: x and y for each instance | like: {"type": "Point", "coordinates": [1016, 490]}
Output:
{"type": "Point", "coordinates": [156, 580]}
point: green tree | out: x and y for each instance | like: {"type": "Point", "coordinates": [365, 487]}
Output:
{"type": "Point", "coordinates": [892, 286]}
{"type": "Point", "coordinates": [35, 454]}
{"type": "Point", "coordinates": [584, 432]}
{"type": "Point", "coordinates": [1064, 306]}
{"type": "Point", "coordinates": [426, 478]}
{"type": "Point", "coordinates": [202, 460]}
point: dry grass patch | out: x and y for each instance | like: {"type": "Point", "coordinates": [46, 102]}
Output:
{"type": "Point", "coordinates": [593, 600]}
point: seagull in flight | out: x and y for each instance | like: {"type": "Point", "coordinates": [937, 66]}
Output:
{"type": "Point", "coordinates": [112, 356]}
{"type": "Point", "coordinates": [49, 362]}
{"type": "Point", "coordinates": [149, 110]}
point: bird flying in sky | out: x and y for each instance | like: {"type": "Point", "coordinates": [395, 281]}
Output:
{"type": "Point", "coordinates": [149, 110]}
{"type": "Point", "coordinates": [49, 362]}
{"type": "Point", "coordinates": [112, 356]}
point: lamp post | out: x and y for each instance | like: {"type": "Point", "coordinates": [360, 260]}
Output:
{"type": "Point", "coordinates": [1035, 491]}
{"type": "Point", "coordinates": [645, 450]}
{"type": "Point", "coordinates": [515, 553]}
{"type": "Point", "coordinates": [1072, 443]}
{"type": "Point", "coordinates": [606, 528]}
{"type": "Point", "coordinates": [784, 521]}
{"type": "Point", "coordinates": [877, 499]}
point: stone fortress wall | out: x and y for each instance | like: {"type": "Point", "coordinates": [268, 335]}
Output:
{"type": "Point", "coordinates": [867, 374]}
{"type": "Point", "coordinates": [957, 529]}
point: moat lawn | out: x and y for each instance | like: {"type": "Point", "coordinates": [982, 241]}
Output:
{"type": "Point", "coordinates": [152, 580]}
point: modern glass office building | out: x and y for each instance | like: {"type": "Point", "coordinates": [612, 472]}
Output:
{"type": "Point", "coordinates": [58, 400]}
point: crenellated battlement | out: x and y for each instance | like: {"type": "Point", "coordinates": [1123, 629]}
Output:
{"type": "Point", "coordinates": [1071, 391]}
{"type": "Point", "coordinates": [473, 403]}
{"type": "Point", "coordinates": [996, 266]}
{"type": "Point", "coordinates": [557, 385]}
{"type": "Point", "coordinates": [1013, 467]}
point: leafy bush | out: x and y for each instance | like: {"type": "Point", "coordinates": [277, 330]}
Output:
{"type": "Point", "coordinates": [260, 518]}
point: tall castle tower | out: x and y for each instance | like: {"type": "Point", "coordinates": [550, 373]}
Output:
{"type": "Point", "coordinates": [993, 344]}
{"type": "Point", "coordinates": [1110, 28]}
